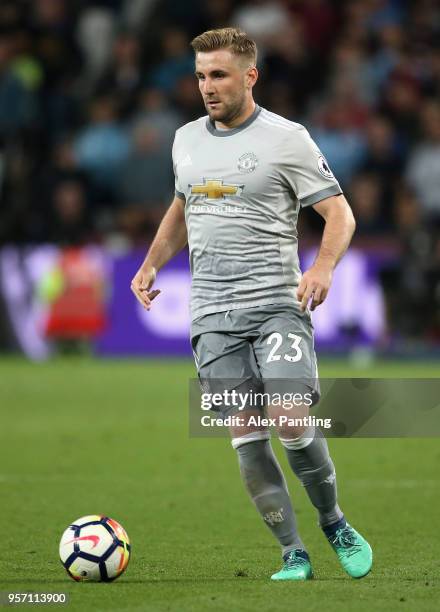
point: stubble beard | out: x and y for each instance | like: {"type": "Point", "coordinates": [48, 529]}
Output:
{"type": "Point", "coordinates": [231, 112]}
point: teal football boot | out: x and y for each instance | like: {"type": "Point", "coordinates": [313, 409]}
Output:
{"type": "Point", "coordinates": [296, 567]}
{"type": "Point", "coordinates": [354, 552]}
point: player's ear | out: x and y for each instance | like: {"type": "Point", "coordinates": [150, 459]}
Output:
{"type": "Point", "coordinates": [252, 76]}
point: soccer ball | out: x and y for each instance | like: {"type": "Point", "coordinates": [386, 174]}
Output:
{"type": "Point", "coordinates": [95, 548]}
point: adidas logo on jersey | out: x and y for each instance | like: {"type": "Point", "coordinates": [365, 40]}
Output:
{"type": "Point", "coordinates": [186, 161]}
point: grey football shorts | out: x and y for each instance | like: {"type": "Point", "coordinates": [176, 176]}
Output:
{"type": "Point", "coordinates": [266, 349]}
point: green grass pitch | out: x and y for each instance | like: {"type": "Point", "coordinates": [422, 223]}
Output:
{"type": "Point", "coordinates": [83, 437]}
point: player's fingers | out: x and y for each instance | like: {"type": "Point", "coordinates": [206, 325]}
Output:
{"type": "Point", "coordinates": [324, 293]}
{"type": "Point", "coordinates": [144, 298]}
{"type": "Point", "coordinates": [306, 297]}
{"type": "Point", "coordinates": [316, 298]}
{"type": "Point", "coordinates": [141, 297]}
{"type": "Point", "coordinates": [153, 294]}
{"type": "Point", "coordinates": [301, 288]}
{"type": "Point", "coordinates": [145, 284]}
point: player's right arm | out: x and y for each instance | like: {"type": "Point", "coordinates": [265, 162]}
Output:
{"type": "Point", "coordinates": [171, 237]}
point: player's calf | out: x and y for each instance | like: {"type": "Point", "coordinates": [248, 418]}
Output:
{"type": "Point", "coordinates": [267, 488]}
{"type": "Point", "coordinates": [309, 458]}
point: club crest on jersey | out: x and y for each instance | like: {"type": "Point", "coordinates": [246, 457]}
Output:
{"type": "Point", "coordinates": [247, 163]}
{"type": "Point", "coordinates": [215, 189]}
{"type": "Point", "coordinates": [324, 168]}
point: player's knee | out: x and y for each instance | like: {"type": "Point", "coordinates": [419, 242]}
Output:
{"type": "Point", "coordinates": [240, 441]}
{"type": "Point", "coordinates": [291, 434]}
{"type": "Point", "coordinates": [290, 424]}
{"type": "Point", "coordinates": [294, 438]}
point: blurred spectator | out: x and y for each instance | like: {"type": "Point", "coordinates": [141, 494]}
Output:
{"type": "Point", "coordinates": [383, 153]}
{"type": "Point", "coordinates": [154, 108]}
{"type": "Point", "coordinates": [319, 19]}
{"type": "Point", "coordinates": [407, 216]}
{"type": "Point", "coordinates": [215, 14]}
{"type": "Point", "coordinates": [365, 198]}
{"type": "Point", "coordinates": [124, 78]}
{"type": "Point", "coordinates": [188, 16]}
{"type": "Point", "coordinates": [336, 129]}
{"type": "Point", "coordinates": [70, 223]}
{"type": "Point", "coordinates": [62, 167]}
{"type": "Point", "coordinates": [389, 46]}
{"type": "Point", "coordinates": [146, 178]}
{"type": "Point", "coordinates": [64, 164]}
{"type": "Point", "coordinates": [383, 14]}
{"type": "Point", "coordinates": [146, 184]}
{"type": "Point", "coordinates": [187, 98]}
{"type": "Point", "coordinates": [410, 286]}
{"type": "Point", "coordinates": [135, 13]}
{"type": "Point", "coordinates": [51, 24]}
{"type": "Point", "coordinates": [423, 169]}
{"type": "Point", "coordinates": [102, 146]}
{"type": "Point", "coordinates": [55, 44]}
{"type": "Point", "coordinates": [354, 17]}
{"type": "Point", "coordinates": [263, 20]}
{"type": "Point", "coordinates": [423, 19]}
{"type": "Point", "coordinates": [94, 34]}
{"type": "Point", "coordinates": [177, 63]}
{"type": "Point", "coordinates": [18, 105]}
{"type": "Point", "coordinates": [287, 63]}
{"type": "Point", "coordinates": [401, 100]}
{"type": "Point", "coordinates": [25, 65]}
{"type": "Point", "coordinates": [384, 160]}
{"type": "Point", "coordinates": [279, 99]}
{"type": "Point", "coordinates": [350, 67]}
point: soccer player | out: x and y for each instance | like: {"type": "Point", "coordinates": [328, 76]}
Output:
{"type": "Point", "coordinates": [242, 174]}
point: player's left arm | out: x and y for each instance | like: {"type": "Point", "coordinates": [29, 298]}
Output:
{"type": "Point", "coordinates": [338, 231]}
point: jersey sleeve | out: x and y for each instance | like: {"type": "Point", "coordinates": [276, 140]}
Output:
{"type": "Point", "coordinates": [178, 190]}
{"type": "Point", "coordinates": [308, 172]}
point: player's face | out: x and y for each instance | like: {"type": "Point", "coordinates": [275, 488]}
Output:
{"type": "Point", "coordinates": [224, 82]}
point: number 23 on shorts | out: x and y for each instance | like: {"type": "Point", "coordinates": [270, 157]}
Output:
{"type": "Point", "coordinates": [276, 340]}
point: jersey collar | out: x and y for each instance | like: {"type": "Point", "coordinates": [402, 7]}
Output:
{"type": "Point", "coordinates": [215, 132]}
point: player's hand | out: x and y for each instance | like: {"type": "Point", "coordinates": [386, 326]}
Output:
{"type": "Point", "coordinates": [141, 285]}
{"type": "Point", "coordinates": [314, 286]}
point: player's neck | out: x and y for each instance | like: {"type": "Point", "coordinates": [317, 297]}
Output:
{"type": "Point", "coordinates": [241, 118]}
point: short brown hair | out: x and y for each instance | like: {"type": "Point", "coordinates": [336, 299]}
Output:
{"type": "Point", "coordinates": [233, 39]}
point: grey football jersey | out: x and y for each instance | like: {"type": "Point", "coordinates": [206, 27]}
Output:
{"type": "Point", "coordinates": [243, 188]}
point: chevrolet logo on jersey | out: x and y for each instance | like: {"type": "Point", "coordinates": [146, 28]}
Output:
{"type": "Point", "coordinates": [214, 189]}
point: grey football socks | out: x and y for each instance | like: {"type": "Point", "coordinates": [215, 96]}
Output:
{"type": "Point", "coordinates": [267, 487]}
{"type": "Point", "coordinates": [310, 460]}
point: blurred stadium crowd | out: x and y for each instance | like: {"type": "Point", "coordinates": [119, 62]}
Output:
{"type": "Point", "coordinates": [91, 93]}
